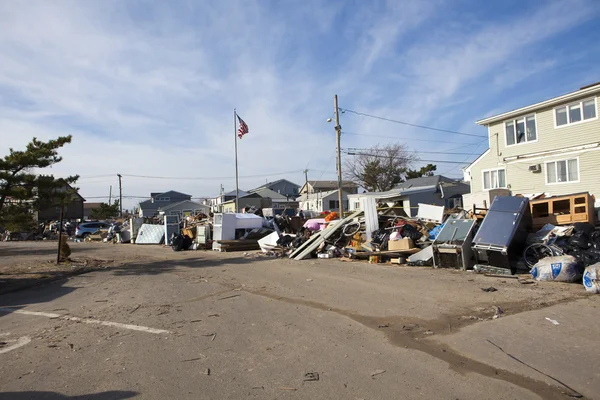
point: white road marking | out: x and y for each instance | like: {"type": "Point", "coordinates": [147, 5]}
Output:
{"type": "Point", "coordinates": [86, 320]}
{"type": "Point", "coordinates": [22, 341]}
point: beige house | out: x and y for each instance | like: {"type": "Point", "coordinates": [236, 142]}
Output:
{"type": "Point", "coordinates": [550, 147]}
{"type": "Point", "coordinates": [327, 186]}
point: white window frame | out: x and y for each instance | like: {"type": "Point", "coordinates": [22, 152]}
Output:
{"type": "Point", "coordinates": [580, 103]}
{"type": "Point", "coordinates": [514, 121]}
{"type": "Point", "coordinates": [566, 160]}
{"type": "Point", "coordinates": [490, 170]}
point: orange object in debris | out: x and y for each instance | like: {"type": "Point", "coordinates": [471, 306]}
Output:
{"type": "Point", "coordinates": [331, 216]}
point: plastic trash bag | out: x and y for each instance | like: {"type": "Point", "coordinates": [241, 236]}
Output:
{"type": "Point", "coordinates": [559, 269]}
{"type": "Point", "coordinates": [591, 278]}
{"type": "Point", "coordinates": [180, 242]}
{"type": "Point", "coordinates": [409, 231]}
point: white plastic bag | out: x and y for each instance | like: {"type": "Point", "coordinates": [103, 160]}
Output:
{"type": "Point", "coordinates": [591, 278]}
{"type": "Point", "coordinates": [559, 269]}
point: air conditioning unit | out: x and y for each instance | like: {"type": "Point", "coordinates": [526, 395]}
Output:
{"type": "Point", "coordinates": [535, 168]}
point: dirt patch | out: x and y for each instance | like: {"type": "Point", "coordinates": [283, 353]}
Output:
{"type": "Point", "coordinates": [412, 333]}
{"type": "Point", "coordinates": [27, 274]}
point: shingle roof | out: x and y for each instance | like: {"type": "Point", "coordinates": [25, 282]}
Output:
{"type": "Point", "coordinates": [424, 181]}
{"type": "Point", "coordinates": [265, 192]}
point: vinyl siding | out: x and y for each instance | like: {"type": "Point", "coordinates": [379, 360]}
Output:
{"type": "Point", "coordinates": [523, 181]}
{"type": "Point", "coordinates": [548, 137]}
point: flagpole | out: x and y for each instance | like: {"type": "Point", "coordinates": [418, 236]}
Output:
{"type": "Point", "coordinates": [237, 190]}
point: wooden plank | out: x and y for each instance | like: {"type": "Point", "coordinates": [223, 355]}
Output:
{"type": "Point", "coordinates": [311, 245]}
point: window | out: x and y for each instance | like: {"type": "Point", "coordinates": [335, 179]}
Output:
{"type": "Point", "coordinates": [163, 199]}
{"type": "Point", "coordinates": [334, 204]}
{"type": "Point", "coordinates": [562, 171]}
{"type": "Point", "coordinates": [356, 205]}
{"type": "Point", "coordinates": [520, 130]}
{"type": "Point", "coordinates": [493, 179]}
{"type": "Point", "coordinates": [576, 112]}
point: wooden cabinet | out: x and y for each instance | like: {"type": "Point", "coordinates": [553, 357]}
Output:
{"type": "Point", "coordinates": [563, 210]}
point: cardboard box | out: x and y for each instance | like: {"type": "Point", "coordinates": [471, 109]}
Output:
{"type": "Point", "coordinates": [402, 244]}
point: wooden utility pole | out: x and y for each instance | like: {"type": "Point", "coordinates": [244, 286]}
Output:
{"type": "Point", "coordinates": [306, 179]}
{"type": "Point", "coordinates": [120, 197]}
{"type": "Point", "coordinates": [110, 195]}
{"type": "Point", "coordinates": [338, 130]}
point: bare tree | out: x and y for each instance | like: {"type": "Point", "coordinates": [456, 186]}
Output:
{"type": "Point", "coordinates": [379, 168]}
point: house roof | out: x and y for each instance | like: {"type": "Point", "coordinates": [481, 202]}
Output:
{"type": "Point", "coordinates": [179, 203]}
{"type": "Point", "coordinates": [90, 206]}
{"type": "Point", "coordinates": [232, 193]}
{"type": "Point", "coordinates": [268, 193]}
{"type": "Point", "coordinates": [424, 181]}
{"type": "Point", "coordinates": [411, 186]}
{"type": "Point", "coordinates": [582, 92]}
{"type": "Point", "coordinates": [170, 193]}
{"type": "Point", "coordinates": [268, 184]}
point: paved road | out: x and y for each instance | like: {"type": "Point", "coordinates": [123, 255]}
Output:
{"type": "Point", "coordinates": [202, 325]}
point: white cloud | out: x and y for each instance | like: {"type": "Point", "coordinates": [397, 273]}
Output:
{"type": "Point", "coordinates": [149, 88]}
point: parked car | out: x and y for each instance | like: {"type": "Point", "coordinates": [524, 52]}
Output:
{"type": "Point", "coordinates": [85, 229]}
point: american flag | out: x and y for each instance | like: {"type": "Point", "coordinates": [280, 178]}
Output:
{"type": "Point", "coordinates": [243, 129]}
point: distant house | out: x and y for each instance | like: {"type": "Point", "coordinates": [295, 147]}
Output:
{"type": "Point", "coordinates": [249, 200]}
{"type": "Point", "coordinates": [216, 203]}
{"type": "Point", "coordinates": [72, 211]}
{"type": "Point", "coordinates": [149, 208]}
{"type": "Point", "coordinates": [327, 186]}
{"type": "Point", "coordinates": [88, 208]}
{"type": "Point", "coordinates": [184, 208]}
{"type": "Point", "coordinates": [282, 186]}
{"type": "Point", "coordinates": [278, 200]}
{"type": "Point", "coordinates": [549, 147]}
{"type": "Point", "coordinates": [436, 190]}
{"type": "Point", "coordinates": [322, 201]}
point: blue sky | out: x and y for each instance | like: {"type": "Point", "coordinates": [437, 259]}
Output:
{"type": "Point", "coordinates": [148, 87]}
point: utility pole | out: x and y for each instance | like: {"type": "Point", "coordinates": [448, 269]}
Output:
{"type": "Point", "coordinates": [120, 196]}
{"type": "Point", "coordinates": [110, 195]}
{"type": "Point", "coordinates": [306, 179]}
{"type": "Point", "coordinates": [338, 130]}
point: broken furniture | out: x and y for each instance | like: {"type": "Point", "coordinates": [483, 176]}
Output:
{"type": "Point", "coordinates": [431, 213]}
{"type": "Point", "coordinates": [500, 240]}
{"type": "Point", "coordinates": [452, 246]}
{"type": "Point", "coordinates": [318, 238]}
{"type": "Point", "coordinates": [171, 226]}
{"type": "Point", "coordinates": [563, 210]}
{"type": "Point", "coordinates": [231, 226]}
{"type": "Point", "coordinates": [203, 235]}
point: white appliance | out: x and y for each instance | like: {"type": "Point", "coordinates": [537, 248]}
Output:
{"type": "Point", "coordinates": [225, 225]}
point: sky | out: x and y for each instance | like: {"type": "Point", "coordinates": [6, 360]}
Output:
{"type": "Point", "coordinates": [148, 88]}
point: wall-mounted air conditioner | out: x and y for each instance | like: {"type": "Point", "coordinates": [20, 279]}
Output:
{"type": "Point", "coordinates": [535, 168]}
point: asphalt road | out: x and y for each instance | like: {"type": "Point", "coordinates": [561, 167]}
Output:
{"type": "Point", "coordinates": [203, 325]}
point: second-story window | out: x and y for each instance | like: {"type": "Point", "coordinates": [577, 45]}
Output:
{"type": "Point", "coordinates": [520, 130]}
{"type": "Point", "coordinates": [575, 112]}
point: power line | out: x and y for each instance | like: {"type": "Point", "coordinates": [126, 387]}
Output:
{"type": "Point", "coordinates": [210, 178]}
{"type": "Point", "coordinates": [420, 160]}
{"type": "Point", "coordinates": [407, 139]}
{"type": "Point", "coordinates": [409, 124]}
{"type": "Point", "coordinates": [416, 151]}
{"type": "Point", "coordinates": [97, 176]}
